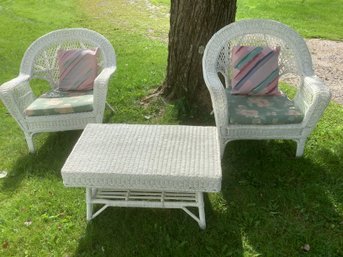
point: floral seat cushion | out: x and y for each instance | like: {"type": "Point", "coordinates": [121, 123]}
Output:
{"type": "Point", "coordinates": [61, 102]}
{"type": "Point", "coordinates": [262, 110]}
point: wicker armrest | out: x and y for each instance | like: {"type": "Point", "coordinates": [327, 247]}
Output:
{"type": "Point", "coordinates": [219, 99]}
{"type": "Point", "coordinates": [313, 98]}
{"type": "Point", "coordinates": [104, 76]}
{"type": "Point", "coordinates": [11, 84]}
{"type": "Point", "coordinates": [100, 87]}
{"type": "Point", "coordinates": [16, 95]}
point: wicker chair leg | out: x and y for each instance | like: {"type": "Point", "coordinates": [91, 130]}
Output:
{"type": "Point", "coordinates": [110, 107]}
{"type": "Point", "coordinates": [29, 141]}
{"type": "Point", "coordinates": [300, 147]}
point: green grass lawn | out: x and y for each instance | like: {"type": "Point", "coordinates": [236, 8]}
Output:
{"type": "Point", "coordinates": [271, 203]}
{"type": "Point", "coordinates": [311, 18]}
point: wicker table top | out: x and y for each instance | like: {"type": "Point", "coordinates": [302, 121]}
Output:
{"type": "Point", "coordinates": [145, 157]}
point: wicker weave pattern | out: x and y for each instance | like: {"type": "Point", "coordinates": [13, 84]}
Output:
{"type": "Point", "coordinates": [40, 61]}
{"type": "Point", "coordinates": [145, 157]}
{"type": "Point", "coordinates": [295, 61]}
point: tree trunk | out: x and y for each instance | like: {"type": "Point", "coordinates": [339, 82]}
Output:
{"type": "Point", "coordinates": [192, 24]}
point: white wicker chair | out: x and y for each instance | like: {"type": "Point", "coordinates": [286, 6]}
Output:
{"type": "Point", "coordinates": [295, 62]}
{"type": "Point", "coordinates": [39, 61]}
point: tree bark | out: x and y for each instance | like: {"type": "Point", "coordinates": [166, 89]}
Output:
{"type": "Point", "coordinates": [192, 24]}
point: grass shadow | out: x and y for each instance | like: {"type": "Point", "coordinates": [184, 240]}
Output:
{"type": "Point", "coordinates": [160, 232]}
{"type": "Point", "coordinates": [281, 203]}
{"type": "Point", "coordinates": [155, 232]}
{"type": "Point", "coordinates": [46, 161]}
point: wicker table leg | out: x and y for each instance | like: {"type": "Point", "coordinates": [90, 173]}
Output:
{"type": "Point", "coordinates": [89, 203]}
{"type": "Point", "coordinates": [90, 200]}
{"type": "Point", "coordinates": [202, 221]}
{"type": "Point", "coordinates": [201, 209]}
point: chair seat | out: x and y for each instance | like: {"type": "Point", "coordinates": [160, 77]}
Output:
{"type": "Point", "coordinates": [61, 102]}
{"type": "Point", "coordinates": [262, 110]}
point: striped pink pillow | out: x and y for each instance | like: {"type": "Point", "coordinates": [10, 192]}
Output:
{"type": "Point", "coordinates": [78, 68]}
{"type": "Point", "coordinates": [255, 70]}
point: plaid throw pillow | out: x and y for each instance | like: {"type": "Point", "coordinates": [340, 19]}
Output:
{"type": "Point", "coordinates": [255, 70]}
{"type": "Point", "coordinates": [77, 69]}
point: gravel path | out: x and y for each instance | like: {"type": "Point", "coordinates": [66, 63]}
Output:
{"type": "Point", "coordinates": [327, 59]}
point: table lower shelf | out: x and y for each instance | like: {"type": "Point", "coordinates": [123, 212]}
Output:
{"type": "Point", "coordinates": [145, 199]}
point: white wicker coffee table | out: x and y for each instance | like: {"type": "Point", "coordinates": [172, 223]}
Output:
{"type": "Point", "coordinates": [156, 166]}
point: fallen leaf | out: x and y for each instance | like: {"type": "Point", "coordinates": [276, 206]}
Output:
{"type": "Point", "coordinates": [306, 247]}
{"type": "Point", "coordinates": [5, 244]}
{"type": "Point", "coordinates": [3, 174]}
{"type": "Point", "coordinates": [28, 223]}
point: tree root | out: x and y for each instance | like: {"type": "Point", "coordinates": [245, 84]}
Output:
{"type": "Point", "coordinates": [156, 93]}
